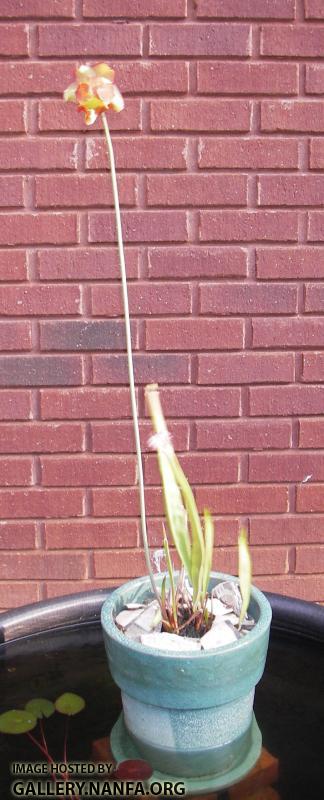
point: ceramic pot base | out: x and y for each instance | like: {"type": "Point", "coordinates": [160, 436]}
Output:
{"type": "Point", "coordinates": [124, 748]}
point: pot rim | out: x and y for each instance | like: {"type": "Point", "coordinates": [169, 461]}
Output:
{"type": "Point", "coordinates": [110, 628]}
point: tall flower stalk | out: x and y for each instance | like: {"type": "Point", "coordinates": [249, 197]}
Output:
{"type": "Point", "coordinates": [95, 92]}
{"type": "Point", "coordinates": [129, 349]}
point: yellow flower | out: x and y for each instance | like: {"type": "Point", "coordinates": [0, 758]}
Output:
{"type": "Point", "coordinates": [94, 91]}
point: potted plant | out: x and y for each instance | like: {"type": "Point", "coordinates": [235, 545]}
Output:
{"type": "Point", "coordinates": [188, 704]}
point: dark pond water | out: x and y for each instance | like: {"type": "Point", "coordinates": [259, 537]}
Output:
{"type": "Point", "coordinates": [289, 701]}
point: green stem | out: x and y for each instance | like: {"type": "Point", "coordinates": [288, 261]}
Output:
{"type": "Point", "coordinates": [129, 351]}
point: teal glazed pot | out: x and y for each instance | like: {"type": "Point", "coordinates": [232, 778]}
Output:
{"type": "Point", "coordinates": [188, 714]}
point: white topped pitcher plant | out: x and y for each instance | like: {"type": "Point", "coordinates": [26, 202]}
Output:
{"type": "Point", "coordinates": [186, 647]}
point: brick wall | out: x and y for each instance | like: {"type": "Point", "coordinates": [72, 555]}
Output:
{"type": "Point", "coordinates": [220, 153]}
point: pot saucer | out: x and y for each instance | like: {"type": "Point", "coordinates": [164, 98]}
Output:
{"type": "Point", "coordinates": [123, 748]}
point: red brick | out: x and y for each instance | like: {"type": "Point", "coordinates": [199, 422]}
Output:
{"type": "Point", "coordinates": [225, 77]}
{"type": "Point", "coordinates": [16, 594]}
{"type": "Point", "coordinates": [169, 368]}
{"type": "Point", "coordinates": [314, 9]}
{"type": "Point", "coordinates": [236, 298]}
{"type": "Point", "coordinates": [36, 153]}
{"type": "Point", "coordinates": [270, 560]}
{"type": "Point", "coordinates": [144, 298]}
{"type": "Point", "coordinates": [243, 499]}
{"type": "Point", "coordinates": [39, 300]}
{"type": "Point", "coordinates": [90, 40]}
{"type": "Point", "coordinates": [85, 403]}
{"type": "Point", "coordinates": [273, 9]}
{"type": "Point", "coordinates": [83, 190]}
{"type": "Point", "coordinates": [195, 401]}
{"type": "Point", "coordinates": [134, 8]}
{"type": "Point", "coordinates": [245, 368]}
{"type": "Point", "coordinates": [292, 40]}
{"type": "Point", "coordinates": [311, 431]}
{"type": "Point", "coordinates": [16, 471]}
{"type": "Point", "coordinates": [316, 153]}
{"type": "Point", "coordinates": [247, 226]}
{"type": "Point", "coordinates": [143, 153]}
{"type": "Point", "coordinates": [34, 228]}
{"type": "Point", "coordinates": [59, 588]}
{"type": "Point", "coordinates": [13, 265]}
{"type": "Point", "coordinates": [234, 152]}
{"type": "Point", "coordinates": [304, 587]}
{"type": "Point", "coordinates": [314, 297]}
{"type": "Point", "coordinates": [296, 332]}
{"type": "Point", "coordinates": [55, 115]}
{"type": "Point", "coordinates": [286, 400]}
{"type": "Point", "coordinates": [12, 116]}
{"type": "Point", "coordinates": [199, 468]}
{"type": "Point", "coordinates": [194, 334]}
{"type": "Point", "coordinates": [36, 8]}
{"type": "Point", "coordinates": [15, 404]}
{"type": "Point", "coordinates": [11, 191]}
{"type": "Point", "coordinates": [40, 370]}
{"type": "Point", "coordinates": [291, 263]}
{"type": "Point", "coordinates": [199, 39]}
{"type": "Point", "coordinates": [13, 40]}
{"type": "Point", "coordinates": [286, 530]}
{"type": "Point", "coordinates": [147, 77]}
{"type": "Point", "coordinates": [118, 437]}
{"type": "Point", "coordinates": [15, 336]}
{"type": "Point", "coordinates": [42, 565]}
{"type": "Point", "coordinates": [90, 533]}
{"type": "Point", "coordinates": [124, 502]}
{"type": "Point", "coordinates": [33, 77]}
{"type": "Point", "coordinates": [17, 536]}
{"type": "Point", "coordinates": [88, 470]}
{"type": "Point", "coordinates": [243, 434]}
{"type": "Point", "coordinates": [116, 564]}
{"type": "Point", "coordinates": [85, 335]}
{"type": "Point", "coordinates": [41, 437]}
{"type": "Point", "coordinates": [292, 115]}
{"type": "Point", "coordinates": [314, 78]}
{"type": "Point", "coordinates": [200, 115]}
{"type": "Point", "coordinates": [227, 561]}
{"type": "Point", "coordinates": [313, 367]}
{"type": "Point", "coordinates": [140, 226]}
{"type": "Point", "coordinates": [197, 262]}
{"type": "Point", "coordinates": [279, 467]}
{"type": "Point", "coordinates": [289, 190]}
{"type": "Point", "coordinates": [315, 227]}
{"type": "Point", "coordinates": [310, 498]}
{"type": "Point", "coordinates": [197, 190]}
{"type": "Point", "coordinates": [85, 264]}
{"type": "Point", "coordinates": [310, 559]}
{"type": "Point", "coordinates": [36, 503]}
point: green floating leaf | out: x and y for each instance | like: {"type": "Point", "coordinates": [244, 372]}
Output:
{"type": "Point", "coordinates": [40, 707]}
{"type": "Point", "coordinates": [70, 704]}
{"type": "Point", "coordinates": [17, 721]}
{"type": "Point", "coordinates": [245, 572]}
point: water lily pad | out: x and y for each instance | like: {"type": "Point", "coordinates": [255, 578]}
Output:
{"type": "Point", "coordinates": [17, 721]}
{"type": "Point", "coordinates": [135, 769]}
{"type": "Point", "coordinates": [40, 707]}
{"type": "Point", "coordinates": [70, 704]}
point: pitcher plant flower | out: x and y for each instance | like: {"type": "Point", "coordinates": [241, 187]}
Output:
{"type": "Point", "coordinates": [95, 92]}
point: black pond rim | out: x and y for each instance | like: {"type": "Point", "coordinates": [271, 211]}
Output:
{"type": "Point", "coordinates": [290, 616]}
